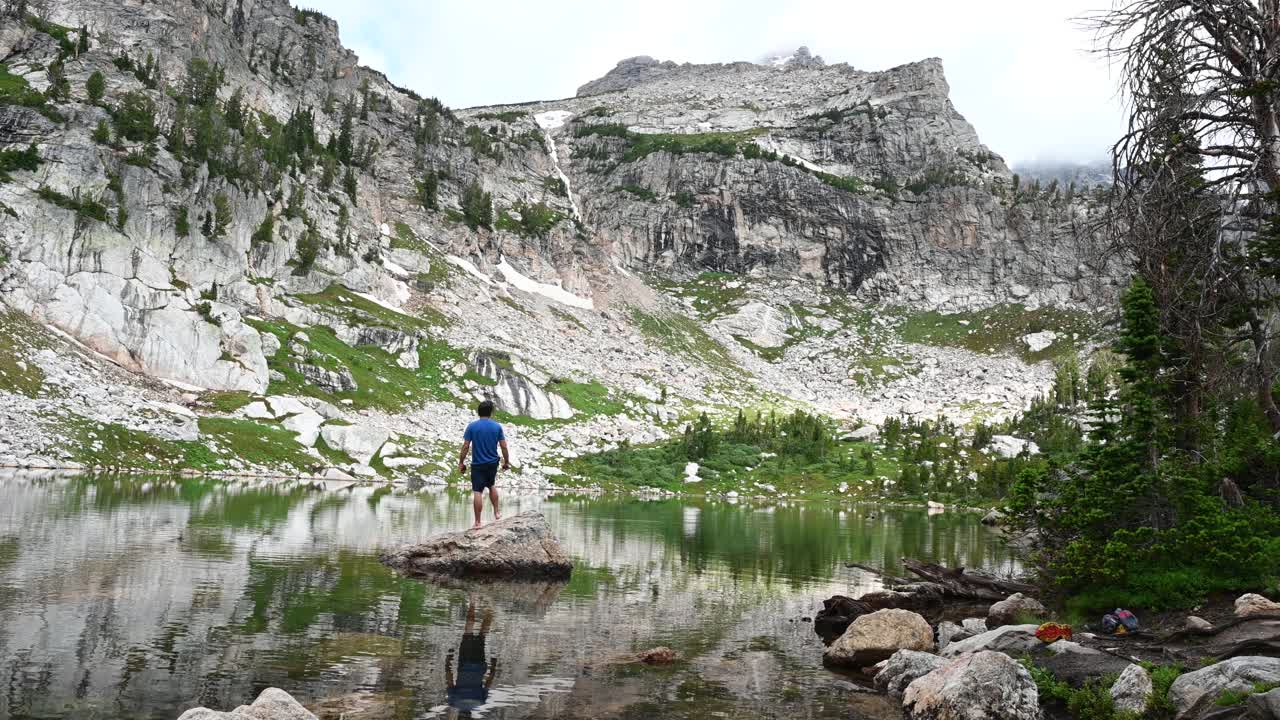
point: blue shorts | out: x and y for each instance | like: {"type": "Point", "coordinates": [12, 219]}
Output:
{"type": "Point", "coordinates": [483, 476]}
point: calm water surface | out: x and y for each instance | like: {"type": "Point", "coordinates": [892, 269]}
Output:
{"type": "Point", "coordinates": [136, 598]}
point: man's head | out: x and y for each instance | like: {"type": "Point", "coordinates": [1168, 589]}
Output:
{"type": "Point", "coordinates": [485, 409]}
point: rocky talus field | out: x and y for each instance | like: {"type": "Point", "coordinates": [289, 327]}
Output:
{"type": "Point", "coordinates": [227, 247]}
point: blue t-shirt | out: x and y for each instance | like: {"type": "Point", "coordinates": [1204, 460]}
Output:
{"type": "Point", "coordinates": [484, 435]}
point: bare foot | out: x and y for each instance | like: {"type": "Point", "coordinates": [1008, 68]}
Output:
{"type": "Point", "coordinates": [496, 517]}
{"type": "Point", "coordinates": [476, 526]}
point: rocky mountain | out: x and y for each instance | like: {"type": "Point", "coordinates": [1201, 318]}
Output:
{"type": "Point", "coordinates": [214, 195]}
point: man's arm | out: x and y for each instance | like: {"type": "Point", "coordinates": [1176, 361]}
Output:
{"type": "Point", "coordinates": [506, 455]}
{"type": "Point", "coordinates": [462, 456]}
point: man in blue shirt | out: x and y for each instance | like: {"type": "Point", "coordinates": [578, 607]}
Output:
{"type": "Point", "coordinates": [483, 438]}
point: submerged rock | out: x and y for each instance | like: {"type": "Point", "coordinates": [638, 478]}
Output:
{"type": "Point", "coordinates": [272, 704]}
{"type": "Point", "coordinates": [658, 656]}
{"type": "Point", "coordinates": [981, 686]}
{"type": "Point", "coordinates": [877, 636]}
{"type": "Point", "coordinates": [514, 548]}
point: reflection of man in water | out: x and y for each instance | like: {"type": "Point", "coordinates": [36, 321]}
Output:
{"type": "Point", "coordinates": [470, 688]}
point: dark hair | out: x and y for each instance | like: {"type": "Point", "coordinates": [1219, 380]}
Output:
{"type": "Point", "coordinates": [485, 409]}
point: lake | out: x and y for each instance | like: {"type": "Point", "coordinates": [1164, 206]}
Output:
{"type": "Point", "coordinates": [126, 597]}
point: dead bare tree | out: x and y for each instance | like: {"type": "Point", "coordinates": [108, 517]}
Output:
{"type": "Point", "coordinates": [1198, 172]}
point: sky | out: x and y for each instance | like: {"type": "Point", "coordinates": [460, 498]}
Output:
{"type": "Point", "coordinates": [1019, 70]}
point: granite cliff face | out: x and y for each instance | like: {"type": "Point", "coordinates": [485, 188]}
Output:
{"type": "Point", "coordinates": [216, 195]}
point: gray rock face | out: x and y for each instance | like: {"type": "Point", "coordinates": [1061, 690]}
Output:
{"type": "Point", "coordinates": [515, 392]}
{"type": "Point", "coordinates": [1014, 608]}
{"type": "Point", "coordinates": [1012, 639]}
{"type": "Point", "coordinates": [1132, 690]}
{"type": "Point", "coordinates": [514, 548]}
{"type": "Point", "coordinates": [272, 704]}
{"type": "Point", "coordinates": [1195, 694]}
{"type": "Point", "coordinates": [877, 636]}
{"type": "Point", "coordinates": [1264, 706]}
{"type": "Point", "coordinates": [335, 381]}
{"type": "Point", "coordinates": [759, 324]}
{"type": "Point", "coordinates": [904, 668]}
{"type": "Point", "coordinates": [980, 686]}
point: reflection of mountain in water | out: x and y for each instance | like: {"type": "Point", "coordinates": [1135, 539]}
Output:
{"type": "Point", "coordinates": [131, 595]}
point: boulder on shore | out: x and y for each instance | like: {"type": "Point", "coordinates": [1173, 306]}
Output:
{"type": "Point", "coordinates": [1013, 639]}
{"type": "Point", "coordinates": [520, 547]}
{"type": "Point", "coordinates": [1195, 694]}
{"type": "Point", "coordinates": [982, 686]}
{"type": "Point", "coordinates": [904, 668]}
{"type": "Point", "coordinates": [1255, 604]}
{"type": "Point", "coordinates": [1015, 608]}
{"type": "Point", "coordinates": [877, 636]}
{"type": "Point", "coordinates": [1132, 690]}
{"type": "Point", "coordinates": [272, 704]}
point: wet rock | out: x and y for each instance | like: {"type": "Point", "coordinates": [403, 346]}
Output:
{"type": "Point", "coordinates": [1015, 608]}
{"type": "Point", "coordinates": [1254, 604]}
{"type": "Point", "coordinates": [517, 547]}
{"type": "Point", "coordinates": [877, 636]}
{"type": "Point", "coordinates": [982, 686]}
{"type": "Point", "coordinates": [1012, 639]}
{"type": "Point", "coordinates": [1132, 690]}
{"type": "Point", "coordinates": [658, 656]}
{"type": "Point", "coordinates": [905, 667]}
{"type": "Point", "coordinates": [835, 616]}
{"type": "Point", "coordinates": [272, 704]}
{"type": "Point", "coordinates": [1195, 694]}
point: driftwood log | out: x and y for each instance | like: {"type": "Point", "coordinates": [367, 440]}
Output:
{"type": "Point", "coordinates": [940, 592]}
{"type": "Point", "coordinates": [955, 582]}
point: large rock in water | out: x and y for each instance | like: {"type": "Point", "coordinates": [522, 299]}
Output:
{"type": "Point", "coordinates": [1195, 694]}
{"type": "Point", "coordinates": [877, 636]}
{"type": "Point", "coordinates": [272, 704]}
{"type": "Point", "coordinates": [982, 686]}
{"type": "Point", "coordinates": [520, 547]}
{"type": "Point", "coordinates": [904, 668]}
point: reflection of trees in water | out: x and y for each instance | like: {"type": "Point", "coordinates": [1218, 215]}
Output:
{"type": "Point", "coordinates": [792, 544]}
{"type": "Point", "coordinates": [174, 590]}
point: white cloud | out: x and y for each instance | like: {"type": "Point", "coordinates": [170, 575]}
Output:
{"type": "Point", "coordinates": [1019, 70]}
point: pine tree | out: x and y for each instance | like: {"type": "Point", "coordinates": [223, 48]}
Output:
{"type": "Point", "coordinates": [349, 184]}
{"type": "Point", "coordinates": [95, 86]}
{"type": "Point", "coordinates": [222, 214]}
{"type": "Point", "coordinates": [265, 232]}
{"type": "Point", "coordinates": [182, 226]}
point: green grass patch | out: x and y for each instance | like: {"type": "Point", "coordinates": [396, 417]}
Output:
{"type": "Point", "coordinates": [1000, 329]}
{"type": "Point", "coordinates": [589, 398]}
{"type": "Point", "coordinates": [684, 336]}
{"type": "Point", "coordinates": [256, 443]}
{"type": "Point", "coordinates": [18, 336]}
{"type": "Point", "coordinates": [763, 455]}
{"type": "Point", "coordinates": [507, 116]}
{"type": "Point", "coordinates": [226, 402]}
{"type": "Point", "coordinates": [381, 382]}
{"type": "Point", "coordinates": [357, 310]}
{"type": "Point", "coordinates": [82, 206]}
